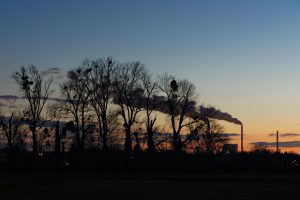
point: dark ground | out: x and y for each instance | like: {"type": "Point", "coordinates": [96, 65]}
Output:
{"type": "Point", "coordinates": [149, 186]}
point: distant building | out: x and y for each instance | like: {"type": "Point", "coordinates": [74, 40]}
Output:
{"type": "Point", "coordinates": [230, 148]}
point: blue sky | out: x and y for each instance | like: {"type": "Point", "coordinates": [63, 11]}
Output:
{"type": "Point", "coordinates": [243, 56]}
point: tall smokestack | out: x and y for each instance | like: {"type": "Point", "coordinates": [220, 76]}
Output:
{"type": "Point", "coordinates": [242, 138]}
{"type": "Point", "coordinates": [211, 112]}
{"type": "Point", "coordinates": [277, 142]}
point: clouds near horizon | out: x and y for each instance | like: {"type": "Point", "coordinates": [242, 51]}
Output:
{"type": "Point", "coordinates": [285, 134]}
{"type": "Point", "coordinates": [281, 144]}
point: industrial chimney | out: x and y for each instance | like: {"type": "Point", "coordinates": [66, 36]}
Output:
{"type": "Point", "coordinates": [242, 138]}
{"type": "Point", "coordinates": [277, 142]}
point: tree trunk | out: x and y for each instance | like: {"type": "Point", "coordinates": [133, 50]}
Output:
{"type": "Point", "coordinates": [150, 143]}
{"type": "Point", "coordinates": [175, 142]}
{"type": "Point", "coordinates": [10, 134]}
{"type": "Point", "coordinates": [104, 141]}
{"type": "Point", "coordinates": [175, 133]}
{"type": "Point", "coordinates": [82, 130]}
{"type": "Point", "coordinates": [128, 142]}
{"type": "Point", "coordinates": [34, 142]}
{"type": "Point", "coordinates": [57, 143]}
{"type": "Point", "coordinates": [77, 133]}
{"type": "Point", "coordinates": [104, 135]}
{"type": "Point", "coordinates": [9, 143]}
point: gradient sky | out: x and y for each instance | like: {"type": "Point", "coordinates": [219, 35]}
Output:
{"type": "Point", "coordinates": [243, 56]}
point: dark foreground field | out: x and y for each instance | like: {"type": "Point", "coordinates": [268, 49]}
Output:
{"type": "Point", "coordinates": [146, 186]}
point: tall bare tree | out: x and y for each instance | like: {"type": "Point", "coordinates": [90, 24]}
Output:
{"type": "Point", "coordinates": [151, 103]}
{"type": "Point", "coordinates": [101, 89]}
{"type": "Point", "coordinates": [128, 95]}
{"type": "Point", "coordinates": [76, 96]}
{"type": "Point", "coordinates": [36, 91]}
{"type": "Point", "coordinates": [180, 102]}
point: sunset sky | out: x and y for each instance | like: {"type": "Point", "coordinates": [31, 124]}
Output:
{"type": "Point", "coordinates": [243, 56]}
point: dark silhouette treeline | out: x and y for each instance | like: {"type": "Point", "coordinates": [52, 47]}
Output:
{"type": "Point", "coordinates": [162, 162]}
{"type": "Point", "coordinates": [116, 116]}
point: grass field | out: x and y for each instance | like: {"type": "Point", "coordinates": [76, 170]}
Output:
{"type": "Point", "coordinates": [148, 186]}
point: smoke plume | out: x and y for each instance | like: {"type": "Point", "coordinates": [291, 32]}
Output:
{"type": "Point", "coordinates": [211, 112]}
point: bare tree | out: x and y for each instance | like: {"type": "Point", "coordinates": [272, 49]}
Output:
{"type": "Point", "coordinates": [11, 129]}
{"type": "Point", "coordinates": [36, 90]}
{"type": "Point", "coordinates": [76, 96]}
{"type": "Point", "coordinates": [128, 95]}
{"type": "Point", "coordinates": [180, 95]}
{"type": "Point", "coordinates": [151, 103]}
{"type": "Point", "coordinates": [101, 88]}
{"type": "Point", "coordinates": [212, 137]}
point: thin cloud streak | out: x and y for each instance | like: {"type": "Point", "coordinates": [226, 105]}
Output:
{"type": "Point", "coordinates": [285, 134]}
{"type": "Point", "coordinates": [51, 71]}
{"type": "Point", "coordinates": [231, 134]}
{"type": "Point", "coordinates": [281, 144]}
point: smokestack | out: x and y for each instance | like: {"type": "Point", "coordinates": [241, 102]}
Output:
{"type": "Point", "coordinates": [277, 142]}
{"type": "Point", "coordinates": [242, 138]}
{"type": "Point", "coordinates": [211, 112]}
